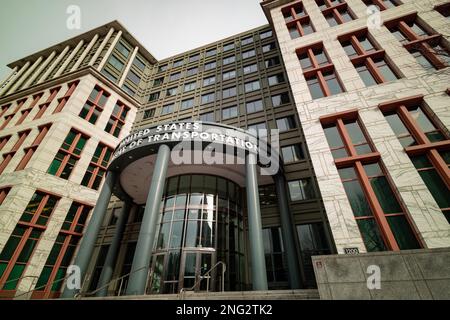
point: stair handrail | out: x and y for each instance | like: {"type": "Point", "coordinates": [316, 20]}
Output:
{"type": "Point", "coordinates": [224, 268]}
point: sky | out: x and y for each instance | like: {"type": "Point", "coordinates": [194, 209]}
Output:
{"type": "Point", "coordinates": [163, 27]}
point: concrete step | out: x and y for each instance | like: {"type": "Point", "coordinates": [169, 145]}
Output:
{"type": "Point", "coordinates": [303, 294]}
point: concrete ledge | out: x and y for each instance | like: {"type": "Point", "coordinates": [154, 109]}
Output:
{"type": "Point", "coordinates": [409, 274]}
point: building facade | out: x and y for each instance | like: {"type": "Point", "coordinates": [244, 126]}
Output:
{"type": "Point", "coordinates": [359, 102]}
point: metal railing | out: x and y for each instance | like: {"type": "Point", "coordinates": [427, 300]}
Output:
{"type": "Point", "coordinates": [207, 276]}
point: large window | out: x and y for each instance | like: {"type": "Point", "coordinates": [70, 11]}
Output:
{"type": "Point", "coordinates": [7, 156]}
{"type": "Point", "coordinates": [297, 20]}
{"type": "Point", "coordinates": [252, 86]}
{"type": "Point", "coordinates": [97, 167]}
{"type": "Point", "coordinates": [68, 155]}
{"type": "Point", "coordinates": [429, 49]}
{"type": "Point", "coordinates": [369, 61]}
{"type": "Point", "coordinates": [117, 119]}
{"type": "Point", "coordinates": [292, 153]}
{"type": "Point", "coordinates": [335, 11]}
{"type": "Point", "coordinates": [208, 98]}
{"type": "Point", "coordinates": [254, 106]}
{"type": "Point", "coordinates": [94, 105]}
{"type": "Point", "coordinates": [318, 71]}
{"type": "Point", "coordinates": [383, 223]}
{"type": "Point", "coordinates": [29, 151]}
{"type": "Point", "coordinates": [286, 123]}
{"type": "Point", "coordinates": [301, 189]}
{"type": "Point", "coordinates": [52, 276]}
{"type": "Point", "coordinates": [425, 143]}
{"type": "Point", "coordinates": [276, 262]}
{"type": "Point", "coordinates": [20, 246]}
{"type": "Point", "coordinates": [229, 112]}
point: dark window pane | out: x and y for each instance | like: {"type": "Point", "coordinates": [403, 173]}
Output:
{"type": "Point", "coordinates": [403, 233]}
{"type": "Point", "coordinates": [371, 235]}
{"type": "Point", "coordinates": [357, 198]}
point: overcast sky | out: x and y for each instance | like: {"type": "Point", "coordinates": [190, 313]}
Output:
{"type": "Point", "coordinates": [164, 27]}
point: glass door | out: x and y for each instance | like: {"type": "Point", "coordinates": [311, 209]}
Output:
{"type": "Point", "coordinates": [194, 265]}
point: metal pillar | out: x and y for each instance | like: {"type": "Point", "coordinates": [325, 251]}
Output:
{"type": "Point", "coordinates": [258, 262]}
{"type": "Point", "coordinates": [90, 236]}
{"type": "Point", "coordinates": [111, 256]}
{"type": "Point", "coordinates": [147, 234]}
{"type": "Point", "coordinates": [288, 232]}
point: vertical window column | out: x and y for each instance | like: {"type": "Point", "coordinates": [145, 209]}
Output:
{"type": "Point", "coordinates": [27, 111]}
{"type": "Point", "coordinates": [29, 151]}
{"type": "Point", "coordinates": [117, 119]}
{"type": "Point", "coordinates": [97, 167]}
{"type": "Point", "coordinates": [63, 100]}
{"type": "Point", "coordinates": [44, 106]}
{"type": "Point", "coordinates": [7, 156]}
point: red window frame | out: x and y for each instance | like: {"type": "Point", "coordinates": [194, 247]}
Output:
{"type": "Point", "coordinates": [319, 71]}
{"type": "Point", "coordinates": [366, 57]}
{"type": "Point", "coordinates": [118, 119]}
{"type": "Point", "coordinates": [296, 21]}
{"type": "Point", "coordinates": [334, 10]}
{"type": "Point", "coordinates": [94, 104]}
{"type": "Point", "coordinates": [380, 3]}
{"type": "Point", "coordinates": [71, 232]}
{"type": "Point", "coordinates": [423, 144]}
{"type": "Point", "coordinates": [63, 100]}
{"type": "Point", "coordinates": [44, 106]}
{"type": "Point", "coordinates": [28, 110]}
{"type": "Point", "coordinates": [29, 227]}
{"type": "Point", "coordinates": [29, 151]}
{"type": "Point", "coordinates": [356, 161]}
{"type": "Point", "coordinates": [7, 156]}
{"type": "Point", "coordinates": [97, 167]}
{"type": "Point", "coordinates": [422, 43]}
{"type": "Point", "coordinates": [4, 193]}
{"type": "Point", "coordinates": [9, 117]}
{"type": "Point", "coordinates": [4, 109]}
{"type": "Point", "coordinates": [4, 140]}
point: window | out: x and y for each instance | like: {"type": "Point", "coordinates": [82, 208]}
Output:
{"type": "Point", "coordinates": [123, 49]}
{"type": "Point", "coordinates": [51, 278]}
{"type": "Point", "coordinates": [229, 92]}
{"type": "Point", "coordinates": [3, 141]}
{"type": "Point", "coordinates": [162, 68]}
{"type": "Point", "coordinates": [128, 90]}
{"type": "Point", "coordinates": [170, 92]}
{"type": "Point", "coordinates": [369, 61]}
{"type": "Point", "coordinates": [228, 47]}
{"type": "Point", "coordinates": [443, 9]}
{"type": "Point", "coordinates": [229, 75]}
{"type": "Point", "coordinates": [271, 62]}
{"type": "Point", "coordinates": [275, 257]}
{"type": "Point", "coordinates": [280, 99]}
{"type": "Point", "coordinates": [94, 105]}
{"type": "Point", "coordinates": [211, 52]}
{"type": "Point", "coordinates": [109, 75]}
{"type": "Point", "coordinates": [153, 96]}
{"type": "Point", "coordinates": [150, 113]}
{"type": "Point", "coordinates": [425, 143]}
{"type": "Point", "coordinates": [301, 189]}
{"type": "Point", "coordinates": [207, 117]}
{"type": "Point", "coordinates": [209, 81]}
{"type": "Point", "coordinates": [297, 20]}
{"type": "Point", "coordinates": [250, 68]}
{"type": "Point", "coordinates": [20, 246]}
{"type": "Point", "coordinates": [268, 195]}
{"type": "Point", "coordinates": [335, 12]}
{"type": "Point", "coordinates": [194, 58]}
{"type": "Point", "coordinates": [254, 106]}
{"type": "Point", "coordinates": [228, 60]}
{"type": "Point", "coordinates": [292, 153]}
{"type": "Point", "coordinates": [3, 193]}
{"type": "Point", "coordinates": [117, 119]}
{"type": "Point", "coordinates": [318, 71]}
{"type": "Point", "coordinates": [211, 65]}
{"type": "Point", "coordinates": [265, 34]}
{"type": "Point", "coordinates": [252, 86]}
{"type": "Point", "coordinates": [139, 63]}
{"type": "Point", "coordinates": [190, 86]}
{"type": "Point", "coordinates": [61, 101]}
{"type": "Point", "coordinates": [286, 123]}
{"type": "Point", "coordinates": [229, 112]}
{"type": "Point", "coordinates": [207, 98]}
{"type": "Point", "coordinates": [275, 79]}
{"type": "Point", "coordinates": [27, 111]}
{"type": "Point", "coordinates": [175, 76]}
{"type": "Point", "coordinates": [246, 41]}
{"type": "Point", "coordinates": [382, 4]}
{"type": "Point", "coordinates": [381, 220]}
{"type": "Point", "coordinates": [100, 261]}
{"type": "Point", "coordinates": [68, 155]}
{"type": "Point", "coordinates": [158, 81]}
{"type": "Point", "coordinates": [188, 103]}
{"type": "Point", "coordinates": [29, 151]}
{"type": "Point", "coordinates": [259, 129]}
{"type": "Point", "coordinates": [268, 47]}
{"type": "Point", "coordinates": [97, 167]}
{"type": "Point", "coordinates": [248, 54]}
{"type": "Point", "coordinates": [168, 108]}
{"type": "Point", "coordinates": [178, 63]}
{"type": "Point", "coordinates": [7, 156]}
{"type": "Point", "coordinates": [116, 63]}
{"type": "Point", "coordinates": [191, 71]}
{"type": "Point", "coordinates": [428, 48]}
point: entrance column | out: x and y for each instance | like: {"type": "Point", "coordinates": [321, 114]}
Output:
{"type": "Point", "coordinates": [90, 236]}
{"type": "Point", "coordinates": [111, 256]}
{"type": "Point", "coordinates": [144, 246]}
{"type": "Point", "coordinates": [259, 275]}
{"type": "Point", "coordinates": [287, 231]}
